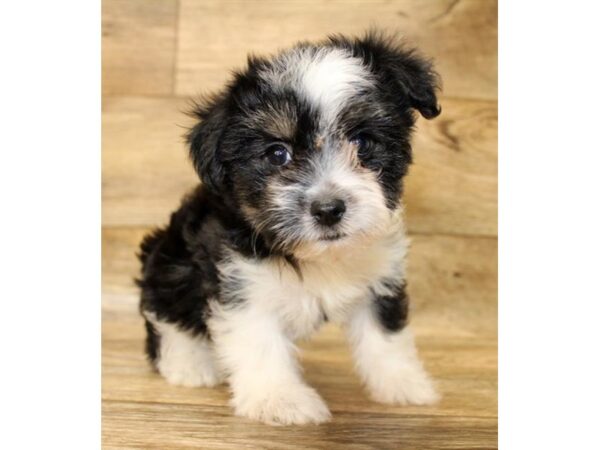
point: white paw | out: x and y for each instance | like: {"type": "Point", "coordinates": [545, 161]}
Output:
{"type": "Point", "coordinates": [410, 386]}
{"type": "Point", "coordinates": [192, 376]}
{"type": "Point", "coordinates": [287, 405]}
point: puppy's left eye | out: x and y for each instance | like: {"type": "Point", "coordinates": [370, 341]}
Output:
{"type": "Point", "coordinates": [278, 155]}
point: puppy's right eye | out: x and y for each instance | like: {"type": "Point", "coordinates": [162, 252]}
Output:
{"type": "Point", "coordinates": [278, 155]}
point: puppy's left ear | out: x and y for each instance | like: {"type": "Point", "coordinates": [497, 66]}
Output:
{"type": "Point", "coordinates": [417, 78]}
{"type": "Point", "coordinates": [404, 71]}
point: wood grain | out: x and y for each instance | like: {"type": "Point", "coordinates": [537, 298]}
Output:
{"type": "Point", "coordinates": [138, 46]}
{"type": "Point", "coordinates": [135, 425]}
{"type": "Point", "coordinates": [451, 188]}
{"type": "Point", "coordinates": [216, 35]}
{"type": "Point", "coordinates": [145, 168]}
{"type": "Point", "coordinates": [452, 282]}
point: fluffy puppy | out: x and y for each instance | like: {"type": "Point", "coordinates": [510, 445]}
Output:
{"type": "Point", "coordinates": [298, 221]}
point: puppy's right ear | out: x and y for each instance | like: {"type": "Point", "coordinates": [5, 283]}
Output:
{"type": "Point", "coordinates": [204, 140]}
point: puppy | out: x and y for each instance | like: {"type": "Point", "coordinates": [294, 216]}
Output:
{"type": "Point", "coordinates": [298, 221]}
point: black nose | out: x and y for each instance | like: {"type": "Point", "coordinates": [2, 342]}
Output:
{"type": "Point", "coordinates": [328, 212]}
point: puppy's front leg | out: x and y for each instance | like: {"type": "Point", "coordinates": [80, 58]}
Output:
{"type": "Point", "coordinates": [385, 354]}
{"type": "Point", "coordinates": [264, 374]}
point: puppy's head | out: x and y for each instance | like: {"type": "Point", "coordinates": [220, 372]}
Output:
{"type": "Point", "coordinates": [311, 146]}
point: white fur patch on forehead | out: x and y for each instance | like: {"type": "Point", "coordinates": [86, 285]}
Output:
{"type": "Point", "coordinates": [326, 77]}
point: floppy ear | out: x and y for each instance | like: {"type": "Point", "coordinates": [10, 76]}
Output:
{"type": "Point", "coordinates": [416, 78]}
{"type": "Point", "coordinates": [204, 141]}
{"type": "Point", "coordinates": [402, 69]}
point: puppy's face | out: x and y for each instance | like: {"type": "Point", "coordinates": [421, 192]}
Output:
{"type": "Point", "coordinates": [311, 146]}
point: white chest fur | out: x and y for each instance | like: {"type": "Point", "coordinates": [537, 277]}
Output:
{"type": "Point", "coordinates": [330, 286]}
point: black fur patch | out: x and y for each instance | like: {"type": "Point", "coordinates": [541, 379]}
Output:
{"type": "Point", "coordinates": [179, 272]}
{"type": "Point", "coordinates": [152, 343]}
{"type": "Point", "coordinates": [392, 310]}
{"type": "Point", "coordinates": [407, 77]}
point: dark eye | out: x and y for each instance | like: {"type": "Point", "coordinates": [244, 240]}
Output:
{"type": "Point", "coordinates": [278, 155]}
{"type": "Point", "coordinates": [362, 143]}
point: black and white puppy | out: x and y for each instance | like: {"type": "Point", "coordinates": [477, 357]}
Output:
{"type": "Point", "coordinates": [298, 221]}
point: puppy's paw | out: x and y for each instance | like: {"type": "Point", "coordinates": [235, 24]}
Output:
{"type": "Point", "coordinates": [206, 377]}
{"type": "Point", "coordinates": [189, 373]}
{"type": "Point", "coordinates": [287, 405]}
{"type": "Point", "coordinates": [406, 387]}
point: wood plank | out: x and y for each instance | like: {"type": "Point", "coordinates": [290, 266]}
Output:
{"type": "Point", "coordinates": [452, 187]}
{"type": "Point", "coordinates": [215, 36]}
{"type": "Point", "coordinates": [138, 46]}
{"type": "Point", "coordinates": [145, 167]}
{"type": "Point", "coordinates": [129, 425]}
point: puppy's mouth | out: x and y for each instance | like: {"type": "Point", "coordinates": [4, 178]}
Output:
{"type": "Point", "coordinates": [333, 237]}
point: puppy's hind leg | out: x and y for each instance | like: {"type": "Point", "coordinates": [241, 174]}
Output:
{"type": "Point", "coordinates": [181, 357]}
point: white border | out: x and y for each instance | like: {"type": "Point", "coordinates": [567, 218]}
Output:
{"type": "Point", "coordinates": [50, 232]}
{"type": "Point", "coordinates": [549, 225]}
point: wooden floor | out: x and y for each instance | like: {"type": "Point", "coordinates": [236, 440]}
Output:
{"type": "Point", "coordinates": [158, 54]}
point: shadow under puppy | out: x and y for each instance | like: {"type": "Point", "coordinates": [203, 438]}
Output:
{"type": "Point", "coordinates": [298, 221]}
